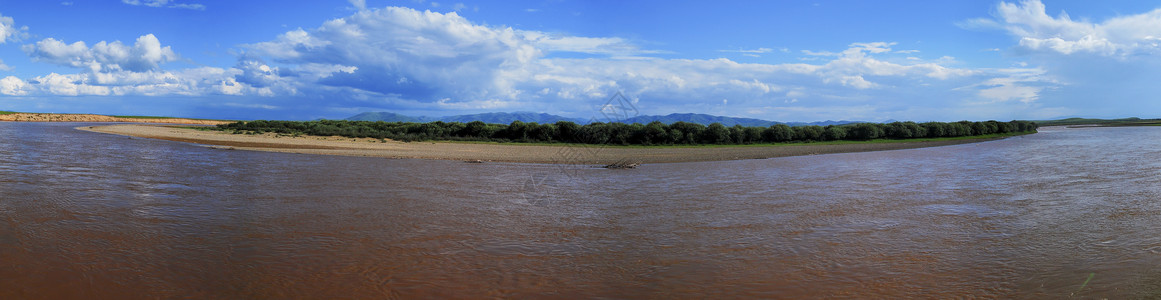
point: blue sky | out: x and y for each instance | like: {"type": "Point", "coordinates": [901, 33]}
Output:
{"type": "Point", "coordinates": [775, 60]}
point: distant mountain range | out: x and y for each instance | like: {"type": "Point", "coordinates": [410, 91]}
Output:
{"type": "Point", "coordinates": [498, 118]}
{"type": "Point", "coordinates": [505, 118]}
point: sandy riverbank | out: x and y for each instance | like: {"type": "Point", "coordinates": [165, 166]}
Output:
{"type": "Point", "coordinates": [35, 117]}
{"type": "Point", "coordinates": [572, 154]}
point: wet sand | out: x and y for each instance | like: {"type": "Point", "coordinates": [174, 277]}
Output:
{"type": "Point", "coordinates": [491, 152]}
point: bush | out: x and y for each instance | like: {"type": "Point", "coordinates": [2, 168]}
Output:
{"type": "Point", "coordinates": [654, 133]}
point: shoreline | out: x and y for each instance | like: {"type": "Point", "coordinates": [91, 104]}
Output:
{"type": "Point", "coordinates": [478, 152]}
{"type": "Point", "coordinates": [91, 118]}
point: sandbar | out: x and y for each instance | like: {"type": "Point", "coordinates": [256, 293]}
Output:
{"type": "Point", "coordinates": [39, 117]}
{"type": "Point", "coordinates": [495, 152]}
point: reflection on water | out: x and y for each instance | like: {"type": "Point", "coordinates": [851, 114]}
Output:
{"type": "Point", "coordinates": [86, 215]}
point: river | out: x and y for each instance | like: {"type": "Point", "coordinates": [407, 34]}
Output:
{"type": "Point", "coordinates": [1065, 212]}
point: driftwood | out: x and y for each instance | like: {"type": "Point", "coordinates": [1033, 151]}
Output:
{"type": "Point", "coordinates": [474, 161]}
{"type": "Point", "coordinates": [623, 164]}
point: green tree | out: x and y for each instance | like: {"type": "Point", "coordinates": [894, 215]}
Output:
{"type": "Point", "coordinates": [716, 133]}
{"type": "Point", "coordinates": [690, 132]}
{"type": "Point", "coordinates": [737, 134]}
{"type": "Point", "coordinates": [778, 133]}
{"type": "Point", "coordinates": [657, 133]}
{"type": "Point", "coordinates": [808, 133]}
{"type": "Point", "coordinates": [834, 133]}
{"type": "Point", "coordinates": [754, 134]}
{"type": "Point", "coordinates": [567, 131]}
{"type": "Point", "coordinates": [866, 131]}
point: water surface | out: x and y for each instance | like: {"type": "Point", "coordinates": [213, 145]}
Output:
{"type": "Point", "coordinates": [89, 215]}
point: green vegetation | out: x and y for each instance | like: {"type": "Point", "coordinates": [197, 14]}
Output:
{"type": "Point", "coordinates": [4, 112]}
{"type": "Point", "coordinates": [164, 118]}
{"type": "Point", "coordinates": [1101, 122]}
{"type": "Point", "coordinates": [654, 133]}
{"type": "Point", "coordinates": [143, 117]}
{"type": "Point", "coordinates": [762, 144]}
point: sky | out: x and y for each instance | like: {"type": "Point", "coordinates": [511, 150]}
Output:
{"type": "Point", "coordinates": [791, 61]}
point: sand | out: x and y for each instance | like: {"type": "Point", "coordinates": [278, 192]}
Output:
{"type": "Point", "coordinates": [492, 152]}
{"type": "Point", "coordinates": [35, 117]}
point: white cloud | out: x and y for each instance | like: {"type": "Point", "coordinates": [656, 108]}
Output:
{"type": "Point", "coordinates": [1037, 31]}
{"type": "Point", "coordinates": [440, 55]}
{"type": "Point", "coordinates": [820, 53]}
{"type": "Point", "coordinates": [851, 65]}
{"type": "Point", "coordinates": [564, 43]}
{"type": "Point", "coordinates": [1018, 84]}
{"type": "Point", "coordinates": [423, 60]}
{"type": "Point", "coordinates": [753, 51]}
{"type": "Point", "coordinates": [252, 105]}
{"type": "Point", "coordinates": [359, 4]}
{"type": "Point", "coordinates": [193, 6]}
{"type": "Point", "coordinates": [13, 86]}
{"type": "Point", "coordinates": [145, 54]}
{"type": "Point", "coordinates": [431, 57]}
{"type": "Point", "coordinates": [187, 82]}
{"type": "Point", "coordinates": [165, 4]}
{"type": "Point", "coordinates": [116, 69]}
{"type": "Point", "coordinates": [1006, 90]}
{"type": "Point", "coordinates": [444, 61]}
{"type": "Point", "coordinates": [257, 74]}
{"type": "Point", "coordinates": [69, 85]}
{"type": "Point", "coordinates": [9, 31]}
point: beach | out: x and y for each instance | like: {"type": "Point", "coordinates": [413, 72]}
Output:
{"type": "Point", "coordinates": [49, 117]}
{"type": "Point", "coordinates": [495, 152]}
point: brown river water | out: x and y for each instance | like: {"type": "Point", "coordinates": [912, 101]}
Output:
{"type": "Point", "coordinates": [1062, 213]}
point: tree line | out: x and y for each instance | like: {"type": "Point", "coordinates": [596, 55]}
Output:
{"type": "Point", "coordinates": [654, 133]}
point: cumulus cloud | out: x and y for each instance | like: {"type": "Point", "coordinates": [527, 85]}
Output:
{"type": "Point", "coordinates": [1069, 60]}
{"type": "Point", "coordinates": [165, 4]}
{"type": "Point", "coordinates": [144, 55]}
{"type": "Point", "coordinates": [1119, 36]}
{"type": "Point", "coordinates": [852, 66]}
{"type": "Point", "coordinates": [68, 85]}
{"type": "Point", "coordinates": [446, 61]}
{"type": "Point", "coordinates": [403, 58]}
{"type": "Point", "coordinates": [13, 86]}
{"type": "Point", "coordinates": [117, 69]}
{"type": "Point", "coordinates": [188, 82]}
{"type": "Point", "coordinates": [400, 51]}
{"type": "Point", "coordinates": [257, 73]}
{"type": "Point", "coordinates": [9, 31]}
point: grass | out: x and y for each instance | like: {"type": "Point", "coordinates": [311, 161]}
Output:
{"type": "Point", "coordinates": [1138, 123]}
{"type": "Point", "coordinates": [143, 117]}
{"type": "Point", "coordinates": [875, 141]}
{"type": "Point", "coordinates": [4, 112]}
{"type": "Point", "coordinates": [162, 118]}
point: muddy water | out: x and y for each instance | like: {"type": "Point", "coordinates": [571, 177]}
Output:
{"type": "Point", "coordinates": [1066, 212]}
